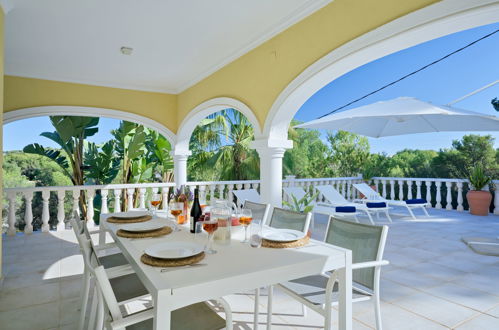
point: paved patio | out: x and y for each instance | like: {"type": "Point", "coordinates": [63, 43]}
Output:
{"type": "Point", "coordinates": [433, 282]}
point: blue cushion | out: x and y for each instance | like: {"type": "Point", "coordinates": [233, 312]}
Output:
{"type": "Point", "coordinates": [346, 209]}
{"type": "Point", "coordinates": [416, 201]}
{"type": "Point", "coordinates": [376, 205]}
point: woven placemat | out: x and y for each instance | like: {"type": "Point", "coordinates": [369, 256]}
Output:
{"type": "Point", "coordinates": [143, 234]}
{"type": "Point", "coordinates": [283, 245]}
{"type": "Point", "coordinates": [133, 220]}
{"type": "Point", "coordinates": [156, 262]}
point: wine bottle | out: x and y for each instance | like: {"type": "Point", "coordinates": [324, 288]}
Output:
{"type": "Point", "coordinates": [196, 211]}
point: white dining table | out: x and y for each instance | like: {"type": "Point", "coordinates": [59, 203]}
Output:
{"type": "Point", "coordinates": [235, 267]}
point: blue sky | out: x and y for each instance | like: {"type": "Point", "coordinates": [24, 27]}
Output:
{"type": "Point", "coordinates": [452, 78]}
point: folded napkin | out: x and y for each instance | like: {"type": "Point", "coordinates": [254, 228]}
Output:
{"type": "Point", "coordinates": [346, 209]}
{"type": "Point", "coordinates": [416, 201]}
{"type": "Point", "coordinates": [373, 205]}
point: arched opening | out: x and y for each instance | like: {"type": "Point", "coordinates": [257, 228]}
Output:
{"type": "Point", "coordinates": [426, 24]}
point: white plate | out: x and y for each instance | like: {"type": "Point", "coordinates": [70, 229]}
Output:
{"type": "Point", "coordinates": [174, 250]}
{"type": "Point", "coordinates": [129, 215]}
{"type": "Point", "coordinates": [283, 235]}
{"type": "Point", "coordinates": [142, 226]}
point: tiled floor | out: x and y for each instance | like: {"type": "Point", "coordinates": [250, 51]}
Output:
{"type": "Point", "coordinates": [433, 281]}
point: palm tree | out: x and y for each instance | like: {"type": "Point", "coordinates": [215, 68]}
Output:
{"type": "Point", "coordinates": [220, 145]}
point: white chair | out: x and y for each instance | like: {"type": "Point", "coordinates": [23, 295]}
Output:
{"type": "Point", "coordinates": [323, 208]}
{"type": "Point", "coordinates": [246, 195]}
{"type": "Point", "coordinates": [115, 264]}
{"type": "Point", "coordinates": [372, 195]}
{"type": "Point", "coordinates": [334, 198]}
{"type": "Point", "coordinates": [320, 292]}
{"type": "Point", "coordinates": [258, 210]}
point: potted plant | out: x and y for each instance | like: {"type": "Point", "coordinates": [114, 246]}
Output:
{"type": "Point", "coordinates": [478, 199]}
{"type": "Point", "coordinates": [303, 205]}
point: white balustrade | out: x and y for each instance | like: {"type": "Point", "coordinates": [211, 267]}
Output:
{"type": "Point", "coordinates": [221, 189]}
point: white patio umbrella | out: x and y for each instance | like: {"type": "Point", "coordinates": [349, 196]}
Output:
{"type": "Point", "coordinates": [404, 115]}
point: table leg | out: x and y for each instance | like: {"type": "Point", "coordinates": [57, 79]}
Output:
{"type": "Point", "coordinates": [345, 287]}
{"type": "Point", "coordinates": [162, 312]}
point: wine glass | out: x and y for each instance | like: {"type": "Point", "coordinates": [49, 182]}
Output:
{"type": "Point", "coordinates": [176, 210]}
{"type": "Point", "coordinates": [245, 220]}
{"type": "Point", "coordinates": [210, 225]}
{"type": "Point", "coordinates": [155, 201]}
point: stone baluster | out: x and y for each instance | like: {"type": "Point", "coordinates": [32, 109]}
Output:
{"type": "Point", "coordinates": [459, 185]}
{"type": "Point", "coordinates": [212, 193]}
{"type": "Point", "coordinates": [164, 197]}
{"type": "Point", "coordinates": [117, 200]}
{"type": "Point", "coordinates": [11, 196]}
{"type": "Point", "coordinates": [376, 183]}
{"type": "Point", "coordinates": [347, 183]}
{"type": "Point", "coordinates": [61, 194]}
{"type": "Point", "coordinates": [220, 191]}
{"type": "Point", "coordinates": [45, 211]}
{"type": "Point", "coordinates": [28, 212]}
{"type": "Point", "coordinates": [142, 198]}
{"type": "Point", "coordinates": [383, 185]}
{"type": "Point", "coordinates": [401, 189]}
{"type": "Point", "coordinates": [392, 189]}
{"type": "Point", "coordinates": [129, 194]}
{"type": "Point", "coordinates": [76, 202]}
{"type": "Point", "coordinates": [104, 207]}
{"type": "Point", "coordinates": [202, 194]}
{"type": "Point", "coordinates": [409, 189]}
{"type": "Point", "coordinates": [230, 194]}
{"type": "Point", "coordinates": [448, 195]}
{"type": "Point", "coordinates": [418, 189]}
{"type": "Point", "coordinates": [343, 188]}
{"type": "Point", "coordinates": [439, 195]}
{"type": "Point", "coordinates": [428, 191]}
{"type": "Point", "coordinates": [496, 198]}
{"type": "Point", "coordinates": [291, 180]}
{"type": "Point", "coordinates": [90, 206]}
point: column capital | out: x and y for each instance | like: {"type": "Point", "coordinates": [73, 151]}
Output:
{"type": "Point", "coordinates": [272, 148]}
{"type": "Point", "coordinates": [180, 153]}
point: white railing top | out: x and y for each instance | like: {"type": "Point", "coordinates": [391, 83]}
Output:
{"type": "Point", "coordinates": [324, 179]}
{"type": "Point", "coordinates": [92, 187]}
{"type": "Point", "coordinates": [209, 183]}
{"type": "Point", "coordinates": [426, 179]}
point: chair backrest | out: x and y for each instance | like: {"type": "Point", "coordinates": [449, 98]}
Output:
{"type": "Point", "coordinates": [298, 192]}
{"type": "Point", "coordinates": [367, 243]}
{"type": "Point", "coordinates": [246, 195]}
{"type": "Point", "coordinates": [287, 219]}
{"type": "Point", "coordinates": [331, 194]}
{"type": "Point", "coordinates": [367, 191]}
{"type": "Point", "coordinates": [258, 210]}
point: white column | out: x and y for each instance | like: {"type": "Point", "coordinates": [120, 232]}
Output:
{"type": "Point", "coordinates": [117, 200]}
{"type": "Point", "coordinates": [76, 200]}
{"type": "Point", "coordinates": [11, 196]}
{"type": "Point", "coordinates": [401, 190]}
{"type": "Point", "coordinates": [460, 197]}
{"type": "Point", "coordinates": [104, 208]}
{"type": "Point", "coordinates": [45, 211]}
{"type": "Point", "coordinates": [496, 198]}
{"type": "Point", "coordinates": [271, 154]}
{"type": "Point", "coordinates": [449, 196]}
{"type": "Point", "coordinates": [28, 212]}
{"type": "Point", "coordinates": [180, 166]}
{"type": "Point", "coordinates": [409, 189]}
{"type": "Point", "coordinates": [90, 206]}
{"type": "Point", "coordinates": [418, 189]}
{"type": "Point", "coordinates": [439, 195]}
{"type": "Point", "coordinates": [61, 194]}
{"type": "Point", "coordinates": [392, 189]}
{"type": "Point", "coordinates": [428, 192]}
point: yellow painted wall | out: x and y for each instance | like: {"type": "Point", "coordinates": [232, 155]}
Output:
{"type": "Point", "coordinates": [258, 77]}
{"type": "Point", "coordinates": [1, 132]}
{"type": "Point", "coordinates": [28, 92]}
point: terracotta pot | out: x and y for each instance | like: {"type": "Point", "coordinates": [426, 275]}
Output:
{"type": "Point", "coordinates": [361, 195]}
{"type": "Point", "coordinates": [479, 201]}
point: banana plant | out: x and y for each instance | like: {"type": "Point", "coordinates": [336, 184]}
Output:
{"type": "Point", "coordinates": [130, 145]}
{"type": "Point", "coordinates": [70, 134]}
{"type": "Point", "coordinates": [102, 166]}
{"type": "Point", "coordinates": [159, 149]}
